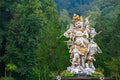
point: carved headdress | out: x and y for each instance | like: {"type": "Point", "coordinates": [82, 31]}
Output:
{"type": "Point", "coordinates": [76, 18]}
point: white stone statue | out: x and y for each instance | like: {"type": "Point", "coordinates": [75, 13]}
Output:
{"type": "Point", "coordinates": [81, 45]}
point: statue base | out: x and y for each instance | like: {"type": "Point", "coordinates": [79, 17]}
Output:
{"type": "Point", "coordinates": [81, 75]}
{"type": "Point", "coordinates": [85, 78]}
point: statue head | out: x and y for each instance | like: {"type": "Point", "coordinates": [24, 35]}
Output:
{"type": "Point", "coordinates": [78, 21]}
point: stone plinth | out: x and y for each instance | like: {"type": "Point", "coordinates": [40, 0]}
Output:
{"type": "Point", "coordinates": [85, 79]}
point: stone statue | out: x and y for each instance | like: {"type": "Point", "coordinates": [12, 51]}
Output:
{"type": "Point", "coordinates": [82, 47]}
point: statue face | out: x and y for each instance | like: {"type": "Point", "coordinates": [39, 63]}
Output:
{"type": "Point", "coordinates": [78, 24]}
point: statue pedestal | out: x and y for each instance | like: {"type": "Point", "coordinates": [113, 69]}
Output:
{"type": "Point", "coordinates": [85, 78]}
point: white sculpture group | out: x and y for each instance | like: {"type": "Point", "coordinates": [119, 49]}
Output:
{"type": "Point", "coordinates": [81, 45]}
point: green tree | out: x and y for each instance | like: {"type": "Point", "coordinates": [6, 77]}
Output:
{"type": "Point", "coordinates": [114, 42]}
{"type": "Point", "coordinates": [23, 35]}
{"type": "Point", "coordinates": [10, 68]}
{"type": "Point", "coordinates": [114, 67]}
{"type": "Point", "coordinates": [21, 24]}
{"type": "Point", "coordinates": [63, 20]}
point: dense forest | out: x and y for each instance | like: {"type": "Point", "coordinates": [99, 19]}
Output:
{"type": "Point", "coordinates": [30, 44]}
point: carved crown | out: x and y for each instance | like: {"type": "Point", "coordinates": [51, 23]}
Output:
{"type": "Point", "coordinates": [76, 18]}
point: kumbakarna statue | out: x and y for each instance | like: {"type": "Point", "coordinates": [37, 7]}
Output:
{"type": "Point", "coordinates": [81, 45]}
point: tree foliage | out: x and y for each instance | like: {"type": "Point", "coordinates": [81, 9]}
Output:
{"type": "Point", "coordinates": [30, 30]}
{"type": "Point", "coordinates": [22, 27]}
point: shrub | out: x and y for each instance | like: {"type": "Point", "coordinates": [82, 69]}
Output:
{"type": "Point", "coordinates": [67, 74]}
{"type": "Point", "coordinates": [7, 78]}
